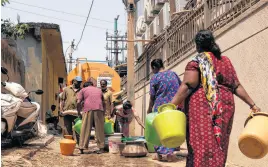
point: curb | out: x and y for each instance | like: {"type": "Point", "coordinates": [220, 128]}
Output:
{"type": "Point", "coordinates": [48, 139]}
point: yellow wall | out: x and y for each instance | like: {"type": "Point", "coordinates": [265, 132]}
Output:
{"type": "Point", "coordinates": [53, 67]}
{"type": "Point", "coordinates": [96, 70]}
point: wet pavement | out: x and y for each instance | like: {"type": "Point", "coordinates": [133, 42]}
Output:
{"type": "Point", "coordinates": [50, 156]}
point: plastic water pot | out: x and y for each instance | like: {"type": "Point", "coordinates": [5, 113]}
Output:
{"type": "Point", "coordinates": [67, 146]}
{"type": "Point", "coordinates": [78, 125]}
{"type": "Point", "coordinates": [108, 128]}
{"type": "Point", "coordinates": [151, 135]}
{"type": "Point", "coordinates": [150, 147]}
{"type": "Point", "coordinates": [170, 125]}
{"type": "Point", "coordinates": [253, 141]}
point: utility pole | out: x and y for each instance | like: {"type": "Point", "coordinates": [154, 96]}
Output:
{"type": "Point", "coordinates": [130, 52]}
{"type": "Point", "coordinates": [116, 42]}
{"type": "Point", "coordinates": [71, 50]}
{"type": "Point", "coordinates": [114, 48]}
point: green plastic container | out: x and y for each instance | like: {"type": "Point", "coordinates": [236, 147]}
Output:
{"type": "Point", "coordinates": [108, 128]}
{"type": "Point", "coordinates": [151, 135]}
{"type": "Point", "coordinates": [78, 125]}
{"type": "Point", "coordinates": [150, 147]}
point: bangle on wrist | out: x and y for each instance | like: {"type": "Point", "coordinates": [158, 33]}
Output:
{"type": "Point", "coordinates": [251, 106]}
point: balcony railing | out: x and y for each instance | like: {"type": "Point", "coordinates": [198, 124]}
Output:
{"type": "Point", "coordinates": [178, 39]}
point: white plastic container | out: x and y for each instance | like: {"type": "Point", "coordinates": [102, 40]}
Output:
{"type": "Point", "coordinates": [114, 142]}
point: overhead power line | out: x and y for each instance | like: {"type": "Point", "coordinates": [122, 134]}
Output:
{"type": "Point", "coordinates": [57, 18]}
{"type": "Point", "coordinates": [85, 24]}
{"type": "Point", "coordinates": [59, 11]}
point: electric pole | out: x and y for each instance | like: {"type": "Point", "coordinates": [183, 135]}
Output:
{"type": "Point", "coordinates": [71, 50]}
{"type": "Point", "coordinates": [114, 45]}
{"type": "Point", "coordinates": [130, 52]}
{"type": "Point", "coordinates": [116, 42]}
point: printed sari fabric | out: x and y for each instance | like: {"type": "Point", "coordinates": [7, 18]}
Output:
{"type": "Point", "coordinates": [210, 85]}
{"type": "Point", "coordinates": [210, 110]}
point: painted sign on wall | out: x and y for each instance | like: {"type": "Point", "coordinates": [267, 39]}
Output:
{"type": "Point", "coordinates": [108, 79]}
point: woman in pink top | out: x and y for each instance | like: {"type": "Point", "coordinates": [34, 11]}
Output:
{"type": "Point", "coordinates": [125, 114]}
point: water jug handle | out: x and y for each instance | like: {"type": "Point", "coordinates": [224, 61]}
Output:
{"type": "Point", "coordinates": [251, 114]}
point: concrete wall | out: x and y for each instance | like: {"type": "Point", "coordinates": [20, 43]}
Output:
{"type": "Point", "coordinates": [29, 50]}
{"type": "Point", "coordinates": [41, 64]}
{"type": "Point", "coordinates": [12, 63]}
{"type": "Point", "coordinates": [245, 42]}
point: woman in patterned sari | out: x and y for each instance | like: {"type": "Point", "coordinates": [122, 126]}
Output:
{"type": "Point", "coordinates": [208, 86]}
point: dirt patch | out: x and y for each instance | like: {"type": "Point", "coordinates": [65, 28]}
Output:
{"type": "Point", "coordinates": [51, 156]}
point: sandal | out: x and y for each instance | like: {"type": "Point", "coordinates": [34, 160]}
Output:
{"type": "Point", "coordinates": [81, 151]}
{"type": "Point", "coordinates": [100, 151]}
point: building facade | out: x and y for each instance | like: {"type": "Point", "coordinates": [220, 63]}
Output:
{"type": "Point", "coordinates": [241, 30]}
{"type": "Point", "coordinates": [41, 55]}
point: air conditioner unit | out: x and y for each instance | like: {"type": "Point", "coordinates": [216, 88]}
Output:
{"type": "Point", "coordinates": [139, 48]}
{"type": "Point", "coordinates": [180, 4]}
{"type": "Point", "coordinates": [136, 53]}
{"type": "Point", "coordinates": [147, 34]}
{"type": "Point", "coordinates": [156, 26]}
{"type": "Point", "coordinates": [148, 15]}
{"type": "Point", "coordinates": [166, 15]}
{"type": "Point", "coordinates": [140, 26]}
{"type": "Point", "coordinates": [157, 5]}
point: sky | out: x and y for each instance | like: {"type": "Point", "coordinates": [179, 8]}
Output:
{"type": "Point", "coordinates": [93, 42]}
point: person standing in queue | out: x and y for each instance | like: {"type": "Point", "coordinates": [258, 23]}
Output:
{"type": "Point", "coordinates": [93, 111]}
{"type": "Point", "coordinates": [108, 99]}
{"type": "Point", "coordinates": [208, 88]}
{"type": "Point", "coordinates": [163, 87]}
{"type": "Point", "coordinates": [68, 102]}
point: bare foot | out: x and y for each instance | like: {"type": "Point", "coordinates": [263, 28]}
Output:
{"type": "Point", "coordinates": [155, 157]}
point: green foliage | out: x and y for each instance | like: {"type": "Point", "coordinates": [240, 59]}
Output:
{"type": "Point", "coordinates": [4, 2]}
{"type": "Point", "coordinates": [12, 30]}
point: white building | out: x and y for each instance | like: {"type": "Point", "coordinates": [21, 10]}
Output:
{"type": "Point", "coordinates": [152, 17]}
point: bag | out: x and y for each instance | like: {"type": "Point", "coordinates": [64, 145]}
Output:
{"type": "Point", "coordinates": [70, 112]}
{"type": "Point", "coordinates": [16, 89]}
{"type": "Point", "coordinates": [42, 129]}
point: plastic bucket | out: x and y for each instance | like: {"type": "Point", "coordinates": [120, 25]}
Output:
{"type": "Point", "coordinates": [114, 144]}
{"type": "Point", "coordinates": [108, 128]}
{"type": "Point", "coordinates": [151, 135]}
{"type": "Point", "coordinates": [170, 125]}
{"type": "Point", "coordinates": [253, 141]}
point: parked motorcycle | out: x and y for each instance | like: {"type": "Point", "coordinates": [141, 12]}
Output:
{"type": "Point", "coordinates": [18, 114]}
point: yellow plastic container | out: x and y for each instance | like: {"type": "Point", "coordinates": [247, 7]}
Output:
{"type": "Point", "coordinates": [170, 125]}
{"type": "Point", "coordinates": [253, 141]}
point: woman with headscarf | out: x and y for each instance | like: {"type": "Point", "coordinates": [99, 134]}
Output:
{"type": "Point", "coordinates": [208, 86]}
